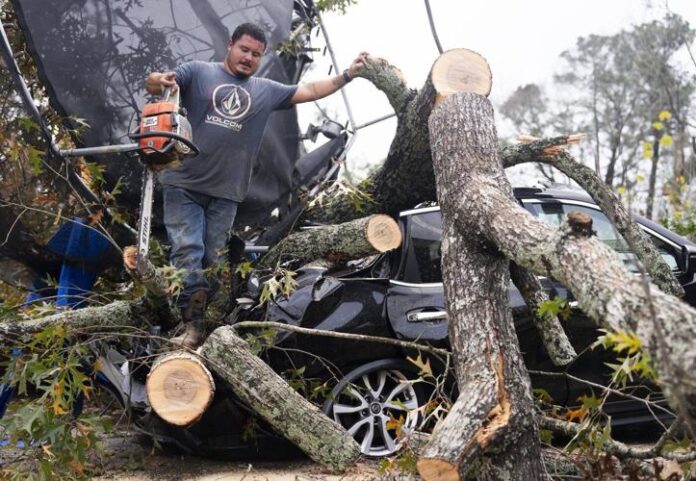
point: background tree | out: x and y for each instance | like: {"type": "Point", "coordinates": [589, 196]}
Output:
{"type": "Point", "coordinates": [613, 87]}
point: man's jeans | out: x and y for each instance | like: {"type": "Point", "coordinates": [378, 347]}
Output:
{"type": "Point", "coordinates": [198, 227]}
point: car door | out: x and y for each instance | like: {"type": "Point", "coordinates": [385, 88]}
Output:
{"type": "Point", "coordinates": [415, 299]}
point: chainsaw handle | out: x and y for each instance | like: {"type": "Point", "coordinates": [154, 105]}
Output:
{"type": "Point", "coordinates": [169, 135]}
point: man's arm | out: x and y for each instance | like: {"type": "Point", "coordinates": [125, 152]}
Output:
{"type": "Point", "coordinates": [156, 81]}
{"type": "Point", "coordinates": [322, 88]}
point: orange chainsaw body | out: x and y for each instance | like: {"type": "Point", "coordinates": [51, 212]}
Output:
{"type": "Point", "coordinates": [164, 117]}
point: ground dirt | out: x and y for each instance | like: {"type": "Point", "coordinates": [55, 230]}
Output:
{"type": "Point", "coordinates": [133, 458]}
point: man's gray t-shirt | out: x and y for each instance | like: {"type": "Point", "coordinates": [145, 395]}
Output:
{"type": "Point", "coordinates": [228, 116]}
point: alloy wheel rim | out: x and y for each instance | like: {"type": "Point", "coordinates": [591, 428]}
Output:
{"type": "Point", "coordinates": [371, 408]}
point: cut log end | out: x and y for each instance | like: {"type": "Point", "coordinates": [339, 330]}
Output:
{"type": "Point", "coordinates": [437, 469]}
{"type": "Point", "coordinates": [580, 223]}
{"type": "Point", "coordinates": [180, 388]}
{"type": "Point", "coordinates": [130, 257]}
{"type": "Point", "coordinates": [461, 70]}
{"type": "Point", "coordinates": [383, 233]}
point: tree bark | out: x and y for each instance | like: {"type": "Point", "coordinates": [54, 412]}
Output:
{"type": "Point", "coordinates": [268, 395]}
{"type": "Point", "coordinates": [156, 286]}
{"type": "Point", "coordinates": [605, 291]}
{"type": "Point", "coordinates": [652, 180]}
{"type": "Point", "coordinates": [489, 433]}
{"type": "Point", "coordinates": [551, 151]}
{"type": "Point", "coordinates": [116, 316]}
{"type": "Point", "coordinates": [351, 240]}
{"type": "Point", "coordinates": [406, 177]}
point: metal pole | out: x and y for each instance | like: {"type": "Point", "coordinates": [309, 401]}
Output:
{"type": "Point", "coordinates": [372, 122]}
{"type": "Point", "coordinates": [104, 149]}
{"type": "Point", "coordinates": [72, 178]}
{"type": "Point", "coordinates": [432, 26]}
{"type": "Point", "coordinates": [22, 88]}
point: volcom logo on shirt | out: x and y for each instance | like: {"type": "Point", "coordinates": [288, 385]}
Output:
{"type": "Point", "coordinates": [231, 102]}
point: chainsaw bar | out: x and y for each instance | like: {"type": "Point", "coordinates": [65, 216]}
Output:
{"type": "Point", "coordinates": [145, 222]}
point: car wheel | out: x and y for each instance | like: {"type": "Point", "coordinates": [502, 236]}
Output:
{"type": "Point", "coordinates": [369, 397]}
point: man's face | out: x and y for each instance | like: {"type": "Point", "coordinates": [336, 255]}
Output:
{"type": "Point", "coordinates": [244, 56]}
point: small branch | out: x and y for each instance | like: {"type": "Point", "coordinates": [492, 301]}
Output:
{"type": "Point", "coordinates": [343, 335]}
{"type": "Point", "coordinates": [552, 151]}
{"type": "Point", "coordinates": [649, 404]}
{"type": "Point", "coordinates": [553, 336]}
{"type": "Point", "coordinates": [619, 449]}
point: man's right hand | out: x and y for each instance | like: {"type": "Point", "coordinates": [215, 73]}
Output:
{"type": "Point", "coordinates": [157, 81]}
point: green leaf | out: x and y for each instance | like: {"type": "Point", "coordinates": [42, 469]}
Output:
{"type": "Point", "coordinates": [244, 269]}
{"type": "Point", "coordinates": [546, 436]}
{"type": "Point", "coordinates": [35, 158]}
{"type": "Point", "coordinates": [556, 307]}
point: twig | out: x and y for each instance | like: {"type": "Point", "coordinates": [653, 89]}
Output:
{"type": "Point", "coordinates": [619, 449]}
{"type": "Point", "coordinates": [600, 386]}
{"type": "Point", "coordinates": [342, 335]}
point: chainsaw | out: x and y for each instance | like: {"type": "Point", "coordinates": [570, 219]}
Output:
{"type": "Point", "coordinates": [164, 140]}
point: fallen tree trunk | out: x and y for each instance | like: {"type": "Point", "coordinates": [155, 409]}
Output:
{"type": "Point", "coordinates": [489, 433]}
{"type": "Point", "coordinates": [605, 291]}
{"type": "Point", "coordinates": [552, 152]}
{"type": "Point", "coordinates": [115, 316]}
{"type": "Point", "coordinates": [268, 395]}
{"type": "Point", "coordinates": [406, 177]}
{"type": "Point", "coordinates": [351, 240]}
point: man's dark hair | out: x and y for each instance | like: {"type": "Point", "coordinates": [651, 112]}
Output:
{"type": "Point", "coordinates": [251, 29]}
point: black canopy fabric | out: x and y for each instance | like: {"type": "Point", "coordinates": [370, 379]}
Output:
{"type": "Point", "coordinates": [93, 56]}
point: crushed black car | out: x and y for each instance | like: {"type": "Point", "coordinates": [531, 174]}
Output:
{"type": "Point", "coordinates": [400, 295]}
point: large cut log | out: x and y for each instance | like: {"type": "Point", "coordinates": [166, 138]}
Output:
{"type": "Point", "coordinates": [269, 396]}
{"type": "Point", "coordinates": [489, 434]}
{"type": "Point", "coordinates": [351, 240]}
{"type": "Point", "coordinates": [552, 152]}
{"type": "Point", "coordinates": [179, 388]}
{"type": "Point", "coordinates": [605, 291]}
{"type": "Point", "coordinates": [406, 177]}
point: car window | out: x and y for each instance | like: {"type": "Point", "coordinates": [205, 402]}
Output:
{"type": "Point", "coordinates": [423, 253]}
{"type": "Point", "coordinates": [555, 212]}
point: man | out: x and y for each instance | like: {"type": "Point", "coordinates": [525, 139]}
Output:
{"type": "Point", "coordinates": [228, 109]}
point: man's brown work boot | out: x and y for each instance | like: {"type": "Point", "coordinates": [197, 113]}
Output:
{"type": "Point", "coordinates": [193, 316]}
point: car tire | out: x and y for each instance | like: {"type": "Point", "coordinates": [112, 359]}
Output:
{"type": "Point", "coordinates": [371, 395]}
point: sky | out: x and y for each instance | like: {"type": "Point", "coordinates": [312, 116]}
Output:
{"type": "Point", "coordinates": [521, 39]}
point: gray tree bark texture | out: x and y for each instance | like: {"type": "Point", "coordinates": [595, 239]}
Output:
{"type": "Point", "coordinates": [490, 432]}
{"type": "Point", "coordinates": [550, 152]}
{"type": "Point", "coordinates": [268, 395]}
{"type": "Point", "coordinates": [350, 240]}
{"type": "Point", "coordinates": [117, 316]}
{"type": "Point", "coordinates": [605, 291]}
